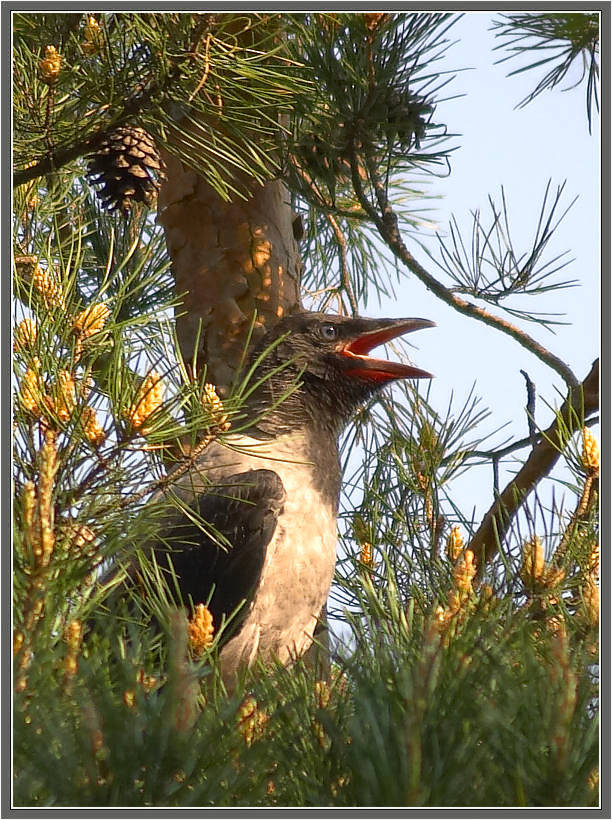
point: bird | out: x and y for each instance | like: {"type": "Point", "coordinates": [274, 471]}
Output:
{"type": "Point", "coordinates": [256, 529]}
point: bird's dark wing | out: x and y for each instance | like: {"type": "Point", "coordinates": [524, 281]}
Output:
{"type": "Point", "coordinates": [244, 511]}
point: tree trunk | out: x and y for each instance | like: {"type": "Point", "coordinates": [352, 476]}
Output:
{"type": "Point", "coordinates": [232, 262]}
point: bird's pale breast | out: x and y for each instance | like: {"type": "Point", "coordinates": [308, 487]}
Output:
{"type": "Point", "coordinates": [300, 558]}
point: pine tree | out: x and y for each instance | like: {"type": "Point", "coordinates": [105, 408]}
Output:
{"type": "Point", "coordinates": [181, 181]}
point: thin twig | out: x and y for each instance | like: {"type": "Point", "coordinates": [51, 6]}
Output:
{"type": "Point", "coordinates": [206, 58]}
{"type": "Point", "coordinates": [519, 444]}
{"type": "Point", "coordinates": [531, 398]}
{"type": "Point", "coordinates": [495, 465]}
{"type": "Point", "coordinates": [345, 274]}
{"type": "Point", "coordinates": [386, 221]}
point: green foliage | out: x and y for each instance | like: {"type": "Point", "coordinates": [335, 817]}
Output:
{"type": "Point", "coordinates": [376, 88]}
{"type": "Point", "coordinates": [149, 69]}
{"type": "Point", "coordinates": [566, 37]}
{"type": "Point", "coordinates": [494, 710]}
{"type": "Point", "coordinates": [488, 266]}
{"type": "Point", "coordinates": [446, 689]}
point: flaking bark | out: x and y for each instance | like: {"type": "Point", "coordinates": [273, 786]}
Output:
{"type": "Point", "coordinates": [231, 261]}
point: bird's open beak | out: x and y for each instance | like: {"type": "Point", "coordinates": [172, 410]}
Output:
{"type": "Point", "coordinates": [363, 366]}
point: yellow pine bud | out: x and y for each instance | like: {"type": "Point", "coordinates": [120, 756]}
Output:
{"type": "Point", "coordinates": [129, 698]}
{"type": "Point", "coordinates": [556, 626]}
{"type": "Point", "coordinates": [72, 636]}
{"type": "Point", "coordinates": [25, 335]}
{"type": "Point", "coordinates": [366, 556]}
{"type": "Point", "coordinates": [30, 517]}
{"type": "Point", "coordinates": [48, 469]}
{"type": "Point", "coordinates": [22, 683]}
{"type": "Point", "coordinates": [88, 47]}
{"type": "Point", "coordinates": [340, 681]}
{"type": "Point", "coordinates": [201, 630]}
{"type": "Point", "coordinates": [148, 400]}
{"type": "Point", "coordinates": [71, 666]}
{"type": "Point", "coordinates": [552, 576]}
{"type": "Point", "coordinates": [148, 682]}
{"type": "Point", "coordinates": [48, 287]}
{"type": "Point", "coordinates": [64, 395]}
{"type": "Point", "coordinates": [590, 452]}
{"type": "Point", "coordinates": [18, 639]}
{"type": "Point", "coordinates": [93, 35]}
{"type": "Point", "coordinates": [464, 572]}
{"type": "Point", "coordinates": [459, 596]}
{"type": "Point", "coordinates": [251, 720]}
{"type": "Point", "coordinates": [91, 320]}
{"type": "Point", "coordinates": [247, 708]}
{"type": "Point", "coordinates": [74, 631]}
{"type": "Point", "coordinates": [593, 779]}
{"type": "Point", "coordinates": [372, 19]}
{"type": "Point", "coordinates": [535, 572]}
{"type": "Point", "coordinates": [486, 592]}
{"type": "Point", "coordinates": [92, 429]}
{"type": "Point", "coordinates": [590, 601]}
{"type": "Point", "coordinates": [422, 479]}
{"type": "Point", "coordinates": [322, 694]}
{"type": "Point", "coordinates": [337, 784]}
{"type": "Point", "coordinates": [31, 391]}
{"type": "Point", "coordinates": [455, 600]}
{"type": "Point", "coordinates": [454, 543]}
{"type": "Point", "coordinates": [320, 734]}
{"type": "Point", "coordinates": [442, 617]}
{"type": "Point", "coordinates": [533, 561]}
{"type": "Point", "coordinates": [50, 66]}
{"type": "Point", "coordinates": [214, 405]}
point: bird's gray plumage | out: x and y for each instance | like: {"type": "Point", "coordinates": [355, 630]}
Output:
{"type": "Point", "coordinates": [271, 493]}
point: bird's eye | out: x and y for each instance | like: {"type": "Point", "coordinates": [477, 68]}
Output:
{"type": "Point", "coordinates": [329, 332]}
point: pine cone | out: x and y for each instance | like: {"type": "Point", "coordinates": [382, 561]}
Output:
{"type": "Point", "coordinates": [407, 119]}
{"type": "Point", "coordinates": [128, 165]}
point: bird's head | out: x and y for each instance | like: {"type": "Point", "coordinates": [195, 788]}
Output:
{"type": "Point", "coordinates": [323, 363]}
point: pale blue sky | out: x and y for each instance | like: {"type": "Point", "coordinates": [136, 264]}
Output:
{"type": "Point", "coordinates": [520, 149]}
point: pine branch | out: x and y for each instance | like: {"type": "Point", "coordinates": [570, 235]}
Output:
{"type": "Point", "coordinates": [57, 159]}
{"type": "Point", "coordinates": [386, 221]}
{"type": "Point", "coordinates": [514, 446]}
{"type": "Point", "coordinates": [557, 41]}
{"type": "Point", "coordinates": [580, 402]}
